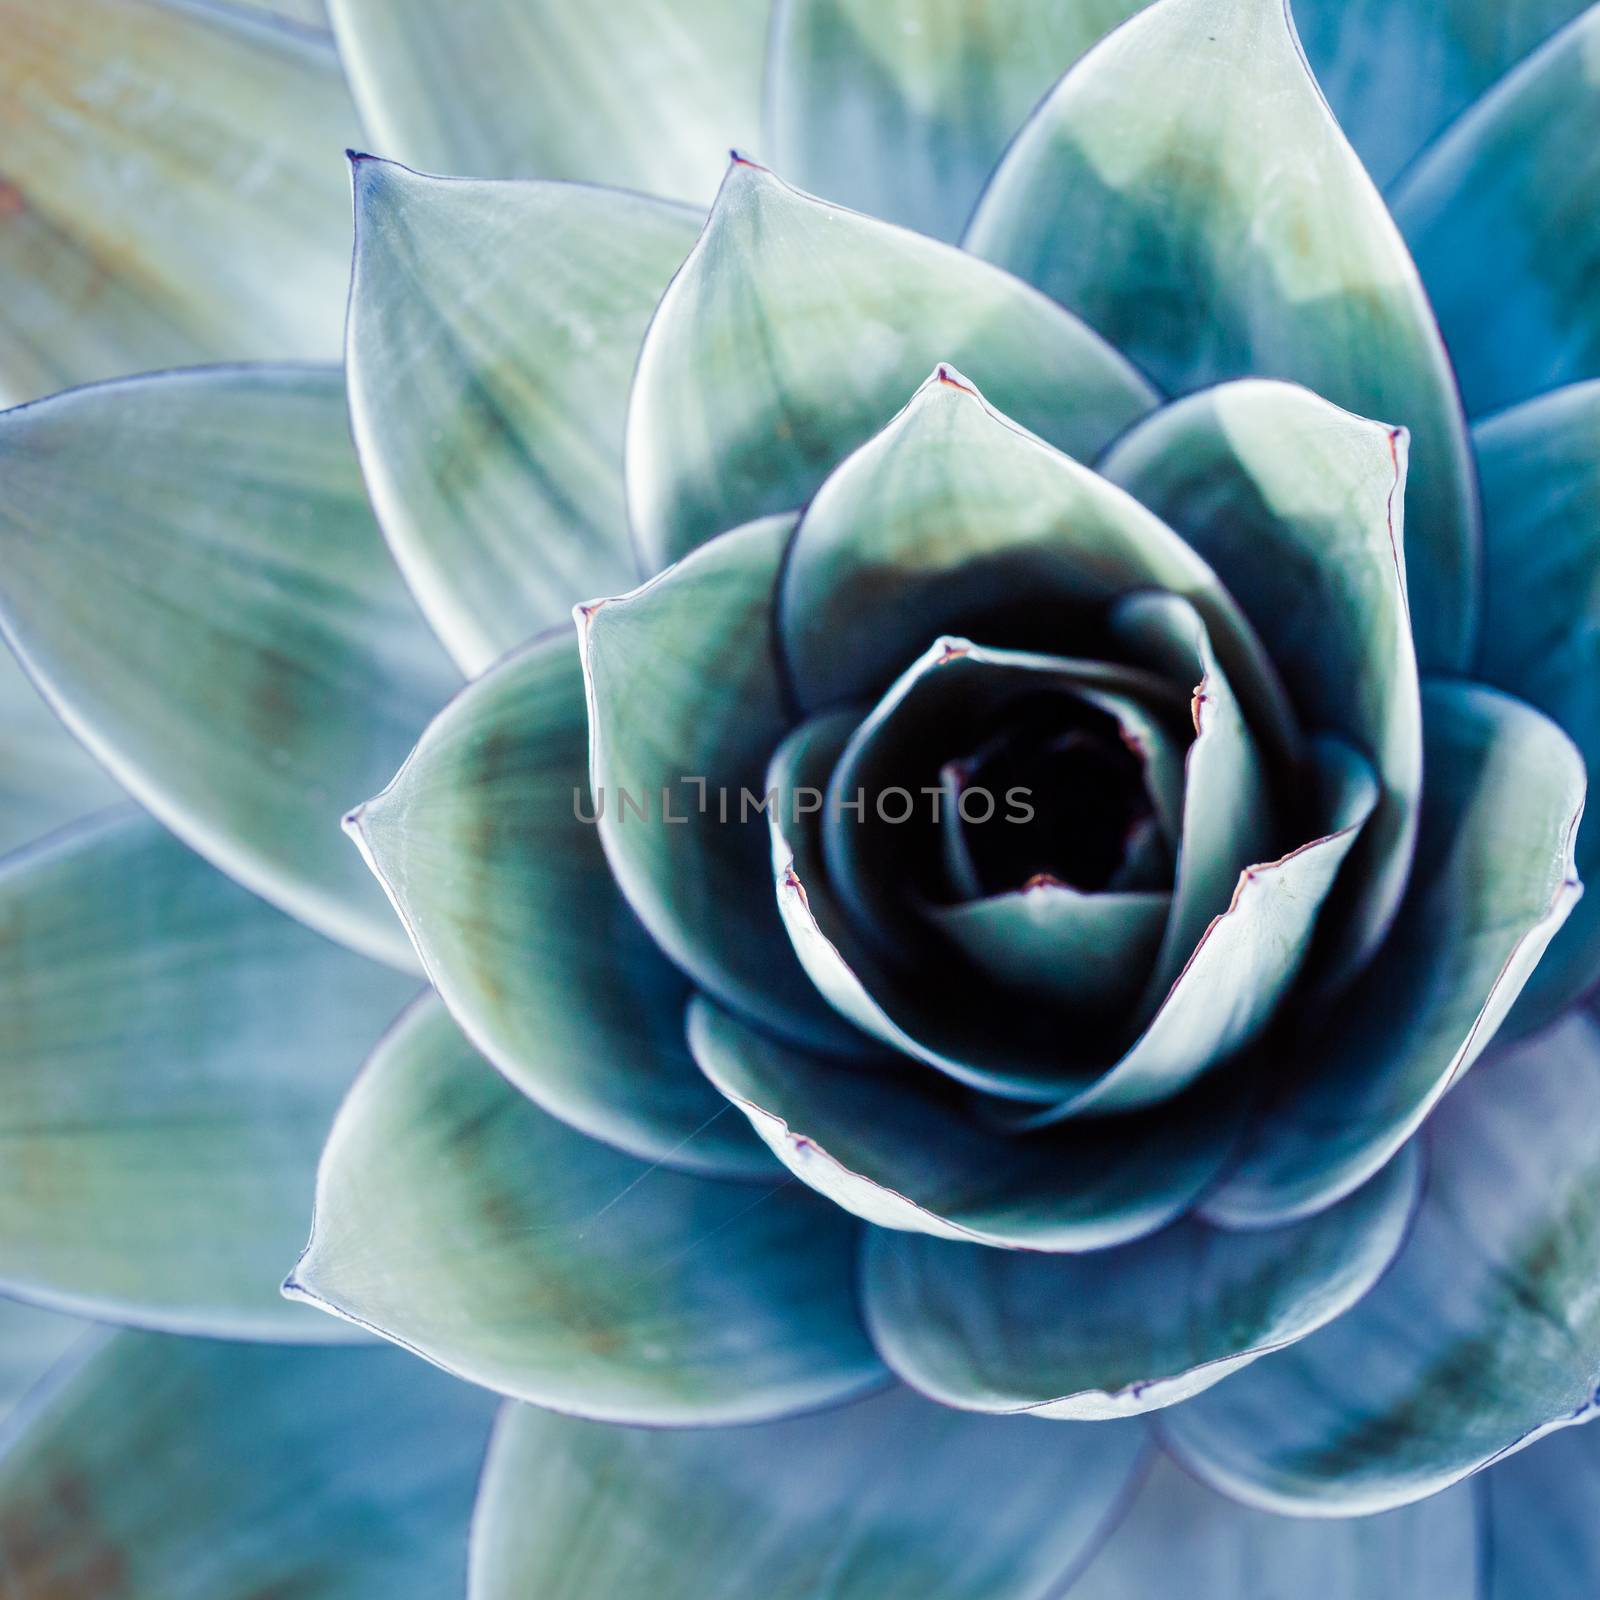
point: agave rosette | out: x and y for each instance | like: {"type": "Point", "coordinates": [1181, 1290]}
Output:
{"type": "Point", "coordinates": [974, 717]}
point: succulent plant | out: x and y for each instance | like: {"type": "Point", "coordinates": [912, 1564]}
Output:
{"type": "Point", "coordinates": [973, 717]}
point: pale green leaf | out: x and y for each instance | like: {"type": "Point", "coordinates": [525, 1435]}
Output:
{"type": "Point", "coordinates": [170, 190]}
{"type": "Point", "coordinates": [796, 328]}
{"type": "Point", "coordinates": [456, 1218]}
{"type": "Point", "coordinates": [189, 570]}
{"type": "Point", "coordinates": [633, 92]}
{"type": "Point", "coordinates": [494, 329]}
{"type": "Point", "coordinates": [1193, 148]}
{"type": "Point", "coordinates": [481, 843]}
{"type": "Point", "coordinates": [173, 1054]}
{"type": "Point", "coordinates": [900, 108]}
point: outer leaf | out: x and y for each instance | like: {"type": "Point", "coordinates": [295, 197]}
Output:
{"type": "Point", "coordinates": [193, 1470]}
{"type": "Point", "coordinates": [1494, 881]}
{"type": "Point", "coordinates": [1226, 1551]}
{"type": "Point", "coordinates": [685, 707]}
{"type": "Point", "coordinates": [458, 1219]}
{"type": "Point", "coordinates": [219, 229]}
{"type": "Point", "coordinates": [886, 1499]}
{"type": "Point", "coordinates": [47, 779]}
{"type": "Point", "coordinates": [481, 845]}
{"type": "Point", "coordinates": [1540, 465]}
{"type": "Point", "coordinates": [795, 328]}
{"type": "Point", "coordinates": [1397, 71]}
{"type": "Point", "coordinates": [900, 108]}
{"type": "Point", "coordinates": [189, 569]}
{"type": "Point", "coordinates": [1245, 245]}
{"type": "Point", "coordinates": [163, 1107]}
{"type": "Point", "coordinates": [1297, 505]}
{"type": "Point", "coordinates": [633, 92]}
{"type": "Point", "coordinates": [1516, 183]}
{"type": "Point", "coordinates": [955, 520]}
{"type": "Point", "coordinates": [31, 1342]}
{"type": "Point", "coordinates": [1483, 1335]}
{"type": "Point", "coordinates": [494, 329]}
{"type": "Point", "coordinates": [1123, 1331]}
{"type": "Point", "coordinates": [1540, 1509]}
{"type": "Point", "coordinates": [906, 1150]}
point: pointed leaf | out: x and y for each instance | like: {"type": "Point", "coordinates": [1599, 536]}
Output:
{"type": "Point", "coordinates": [794, 330]}
{"type": "Point", "coordinates": [216, 617]}
{"type": "Point", "coordinates": [47, 779]}
{"type": "Point", "coordinates": [1540, 466]}
{"type": "Point", "coordinates": [31, 1343]}
{"type": "Point", "coordinates": [456, 1218]}
{"type": "Point", "coordinates": [685, 707]}
{"type": "Point", "coordinates": [900, 108]}
{"type": "Point", "coordinates": [886, 1499]}
{"type": "Point", "coordinates": [1244, 246]}
{"type": "Point", "coordinates": [163, 1108]}
{"type": "Point", "coordinates": [953, 519]}
{"type": "Point", "coordinates": [494, 329]}
{"type": "Point", "coordinates": [1501, 216]}
{"type": "Point", "coordinates": [1297, 505]}
{"type": "Point", "coordinates": [481, 844]}
{"type": "Point", "coordinates": [1226, 1551]}
{"type": "Point", "coordinates": [193, 1470]}
{"type": "Point", "coordinates": [218, 229]}
{"type": "Point", "coordinates": [1494, 881]}
{"type": "Point", "coordinates": [904, 1149]}
{"type": "Point", "coordinates": [633, 92]}
{"type": "Point", "coordinates": [1397, 71]}
{"type": "Point", "coordinates": [1483, 1335]}
{"type": "Point", "coordinates": [1088, 952]}
{"type": "Point", "coordinates": [1539, 1506]}
{"type": "Point", "coordinates": [1123, 1331]}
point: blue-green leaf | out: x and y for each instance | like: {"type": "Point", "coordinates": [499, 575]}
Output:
{"type": "Point", "coordinates": [456, 1218]}
{"type": "Point", "coordinates": [173, 1054]}
{"type": "Point", "coordinates": [903, 1148]}
{"type": "Point", "coordinates": [1298, 506]}
{"type": "Point", "coordinates": [47, 779]}
{"type": "Point", "coordinates": [170, 190]}
{"type": "Point", "coordinates": [189, 570]}
{"type": "Point", "coordinates": [1540, 465]}
{"type": "Point", "coordinates": [633, 92]}
{"type": "Point", "coordinates": [481, 844]}
{"type": "Point", "coordinates": [31, 1342]}
{"type": "Point", "coordinates": [1179, 1533]}
{"type": "Point", "coordinates": [1123, 1331]}
{"type": "Point", "coordinates": [796, 328]}
{"type": "Point", "coordinates": [494, 329]}
{"type": "Point", "coordinates": [685, 707]}
{"type": "Point", "coordinates": [886, 1499]}
{"type": "Point", "coordinates": [1483, 1335]}
{"type": "Point", "coordinates": [1243, 245]}
{"type": "Point", "coordinates": [900, 108]}
{"type": "Point", "coordinates": [1494, 880]}
{"type": "Point", "coordinates": [1397, 71]}
{"type": "Point", "coordinates": [1539, 1506]}
{"type": "Point", "coordinates": [953, 519]}
{"type": "Point", "coordinates": [1503, 216]}
{"type": "Point", "coordinates": [195, 1470]}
